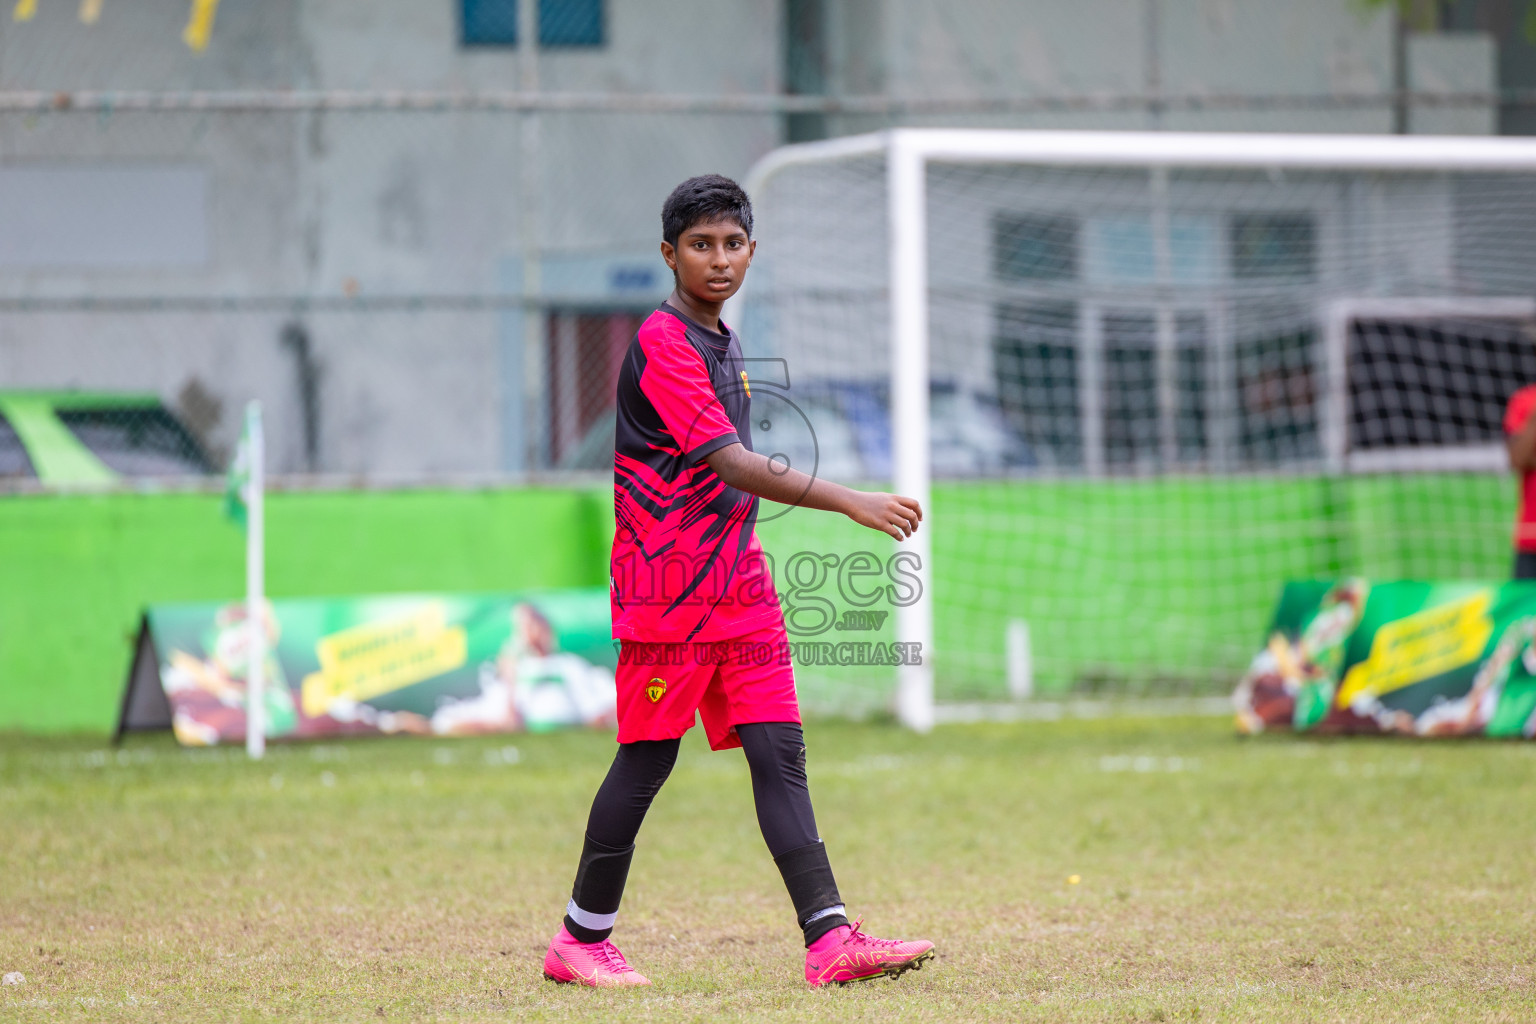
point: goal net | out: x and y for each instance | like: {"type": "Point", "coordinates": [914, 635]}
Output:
{"type": "Point", "coordinates": [1139, 380]}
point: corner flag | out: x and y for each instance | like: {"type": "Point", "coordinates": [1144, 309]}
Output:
{"type": "Point", "coordinates": [237, 482]}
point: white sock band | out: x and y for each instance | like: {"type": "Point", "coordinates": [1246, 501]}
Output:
{"type": "Point", "coordinates": [839, 909]}
{"type": "Point", "coordinates": [596, 922]}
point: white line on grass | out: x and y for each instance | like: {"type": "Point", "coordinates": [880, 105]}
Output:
{"type": "Point", "coordinates": [1056, 710]}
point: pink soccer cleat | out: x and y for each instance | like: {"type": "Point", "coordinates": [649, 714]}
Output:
{"type": "Point", "coordinates": [598, 964]}
{"type": "Point", "coordinates": [846, 954]}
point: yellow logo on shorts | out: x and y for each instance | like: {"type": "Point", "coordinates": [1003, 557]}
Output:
{"type": "Point", "coordinates": [656, 690]}
{"type": "Point", "coordinates": [745, 384]}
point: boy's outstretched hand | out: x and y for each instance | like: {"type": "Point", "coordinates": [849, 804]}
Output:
{"type": "Point", "coordinates": [888, 513]}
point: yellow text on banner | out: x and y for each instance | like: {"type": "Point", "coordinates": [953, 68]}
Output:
{"type": "Point", "coordinates": [378, 657]}
{"type": "Point", "coordinates": [1421, 646]}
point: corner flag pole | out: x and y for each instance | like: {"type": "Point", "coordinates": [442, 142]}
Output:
{"type": "Point", "coordinates": [255, 583]}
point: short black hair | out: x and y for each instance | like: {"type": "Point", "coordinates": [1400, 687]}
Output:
{"type": "Point", "coordinates": [704, 200]}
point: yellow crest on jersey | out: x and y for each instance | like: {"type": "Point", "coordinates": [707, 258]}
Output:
{"type": "Point", "coordinates": [745, 384]}
{"type": "Point", "coordinates": [656, 689]}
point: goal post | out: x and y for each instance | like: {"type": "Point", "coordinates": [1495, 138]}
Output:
{"type": "Point", "coordinates": [1121, 276]}
{"type": "Point", "coordinates": [909, 411]}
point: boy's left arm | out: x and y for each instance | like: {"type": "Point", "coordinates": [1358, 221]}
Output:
{"type": "Point", "coordinates": [759, 475]}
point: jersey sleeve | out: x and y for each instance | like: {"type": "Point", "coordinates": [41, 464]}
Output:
{"type": "Point", "coordinates": [677, 384]}
{"type": "Point", "coordinates": [1518, 410]}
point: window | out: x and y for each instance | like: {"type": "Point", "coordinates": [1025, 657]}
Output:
{"type": "Point", "coordinates": [1130, 390]}
{"type": "Point", "coordinates": [1191, 374]}
{"type": "Point", "coordinates": [1134, 421]}
{"type": "Point", "coordinates": [1122, 249]}
{"type": "Point", "coordinates": [561, 22]}
{"type": "Point", "coordinates": [1277, 416]}
{"type": "Point", "coordinates": [1274, 246]}
{"type": "Point", "coordinates": [1036, 362]}
{"type": "Point", "coordinates": [1034, 247]}
{"type": "Point", "coordinates": [1040, 367]}
{"type": "Point", "coordinates": [583, 352]}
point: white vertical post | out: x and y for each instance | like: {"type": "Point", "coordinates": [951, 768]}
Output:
{"type": "Point", "coordinates": [1021, 661]}
{"type": "Point", "coordinates": [1221, 385]}
{"type": "Point", "coordinates": [255, 585]}
{"type": "Point", "coordinates": [1090, 386]}
{"type": "Point", "coordinates": [1335, 404]}
{"type": "Point", "coordinates": [906, 171]}
{"type": "Point", "coordinates": [1166, 325]}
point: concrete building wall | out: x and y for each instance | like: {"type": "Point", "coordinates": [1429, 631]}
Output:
{"type": "Point", "coordinates": [365, 204]}
{"type": "Point", "coordinates": [430, 204]}
{"type": "Point", "coordinates": [925, 49]}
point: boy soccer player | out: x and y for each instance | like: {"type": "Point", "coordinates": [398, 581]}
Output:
{"type": "Point", "coordinates": [693, 604]}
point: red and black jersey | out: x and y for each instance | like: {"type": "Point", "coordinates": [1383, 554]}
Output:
{"type": "Point", "coordinates": [1521, 404]}
{"type": "Point", "coordinates": [686, 566]}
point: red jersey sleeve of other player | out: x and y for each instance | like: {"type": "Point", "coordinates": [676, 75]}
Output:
{"type": "Point", "coordinates": [677, 384]}
{"type": "Point", "coordinates": [1521, 404]}
{"type": "Point", "coordinates": [1519, 409]}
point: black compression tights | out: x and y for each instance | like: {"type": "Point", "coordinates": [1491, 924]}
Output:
{"type": "Point", "coordinates": [633, 780]}
{"type": "Point", "coordinates": [776, 756]}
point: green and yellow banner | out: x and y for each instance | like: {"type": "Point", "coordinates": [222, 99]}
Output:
{"type": "Point", "coordinates": [414, 664]}
{"type": "Point", "coordinates": [1407, 657]}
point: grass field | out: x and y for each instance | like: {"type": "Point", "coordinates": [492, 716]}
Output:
{"type": "Point", "coordinates": [1275, 879]}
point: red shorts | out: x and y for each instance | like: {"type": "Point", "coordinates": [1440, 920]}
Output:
{"type": "Point", "coordinates": [729, 683]}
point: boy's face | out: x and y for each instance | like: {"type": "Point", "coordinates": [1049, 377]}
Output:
{"type": "Point", "coordinates": [710, 260]}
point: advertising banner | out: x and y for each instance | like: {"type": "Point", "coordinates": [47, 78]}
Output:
{"type": "Point", "coordinates": [420, 664]}
{"type": "Point", "coordinates": [1407, 657]}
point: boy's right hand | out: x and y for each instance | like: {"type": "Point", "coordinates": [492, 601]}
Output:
{"type": "Point", "coordinates": [888, 513]}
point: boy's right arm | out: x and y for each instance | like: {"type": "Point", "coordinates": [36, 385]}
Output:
{"type": "Point", "coordinates": [756, 474]}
